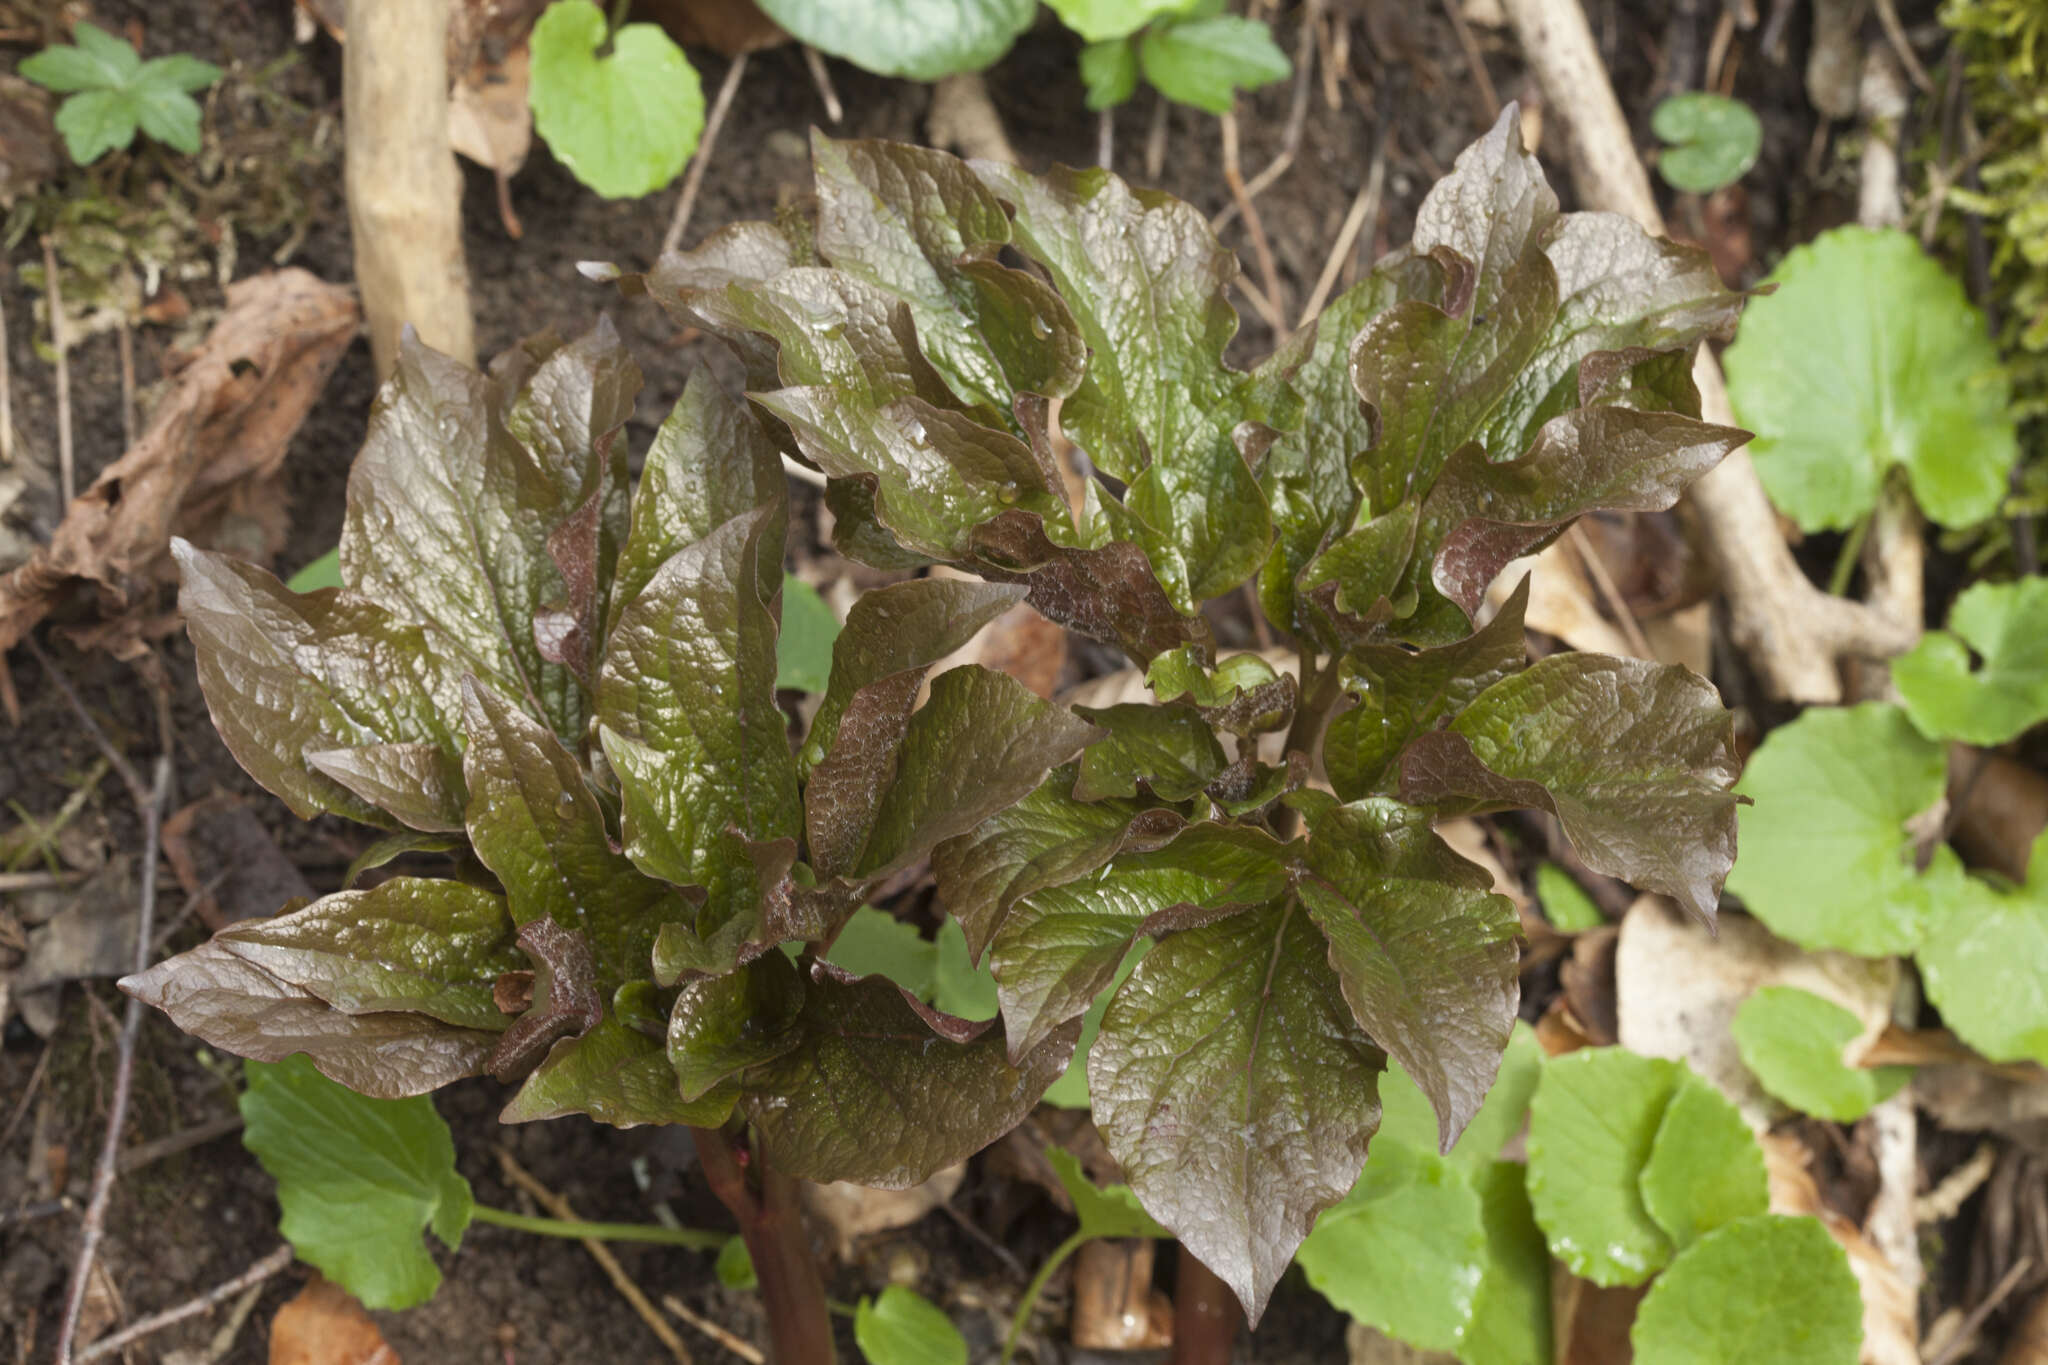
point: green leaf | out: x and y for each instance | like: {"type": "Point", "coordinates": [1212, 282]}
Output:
{"type": "Point", "coordinates": [1793, 1042]}
{"type": "Point", "coordinates": [2003, 625]}
{"type": "Point", "coordinates": [166, 113]}
{"type": "Point", "coordinates": [232, 1004]}
{"type": "Point", "coordinates": [721, 1025]}
{"type": "Point", "coordinates": [1205, 62]}
{"type": "Point", "coordinates": [434, 947]}
{"type": "Point", "coordinates": [1059, 947]}
{"type": "Point", "coordinates": [1985, 960]}
{"type": "Point", "coordinates": [1764, 1288]}
{"type": "Point", "coordinates": [1425, 952]}
{"type": "Point", "coordinates": [803, 649]}
{"type": "Point", "coordinates": [1158, 410]}
{"type": "Point", "coordinates": [1403, 693]}
{"type": "Point", "coordinates": [1705, 1168]}
{"type": "Point", "coordinates": [1827, 852]}
{"type": "Point", "coordinates": [1592, 1128]}
{"type": "Point", "coordinates": [1103, 1211]}
{"type": "Point", "coordinates": [1635, 759]}
{"type": "Point", "coordinates": [617, 1075]}
{"type": "Point", "coordinates": [1109, 71]}
{"type": "Point", "coordinates": [1168, 748]}
{"type": "Point", "coordinates": [288, 676]}
{"type": "Point", "coordinates": [1407, 1118]}
{"type": "Point", "coordinates": [534, 823]}
{"type": "Point", "coordinates": [1839, 391]}
{"type": "Point", "coordinates": [623, 123]}
{"type": "Point", "coordinates": [917, 223]}
{"type": "Point", "coordinates": [935, 1089]}
{"type": "Point", "coordinates": [96, 122]}
{"type": "Point", "coordinates": [324, 572]}
{"type": "Point", "coordinates": [923, 40]}
{"type": "Point", "coordinates": [710, 462]}
{"type": "Point", "coordinates": [1099, 20]}
{"type": "Point", "coordinates": [1240, 1030]}
{"type": "Point", "coordinates": [687, 716]}
{"type": "Point", "coordinates": [179, 71]}
{"type": "Point", "coordinates": [735, 1266]}
{"type": "Point", "coordinates": [1045, 839]}
{"type": "Point", "coordinates": [903, 1328]}
{"type": "Point", "coordinates": [893, 636]}
{"type": "Point", "coordinates": [1406, 1252]}
{"type": "Point", "coordinates": [1565, 903]}
{"type": "Point", "coordinates": [1714, 140]}
{"type": "Point", "coordinates": [959, 988]}
{"type": "Point", "coordinates": [358, 1179]}
{"type": "Point", "coordinates": [1070, 1091]}
{"type": "Point", "coordinates": [94, 60]}
{"type": "Point", "coordinates": [449, 520]}
{"type": "Point", "coordinates": [979, 743]}
{"type": "Point", "coordinates": [1511, 1312]}
{"type": "Point", "coordinates": [875, 943]}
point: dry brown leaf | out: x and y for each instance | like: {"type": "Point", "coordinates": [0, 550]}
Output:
{"type": "Point", "coordinates": [855, 1211]}
{"type": "Point", "coordinates": [1677, 990]}
{"type": "Point", "coordinates": [489, 120]}
{"type": "Point", "coordinates": [1368, 1346]}
{"type": "Point", "coordinates": [227, 862]}
{"type": "Point", "coordinates": [29, 153]}
{"type": "Point", "coordinates": [2029, 1342]}
{"type": "Point", "coordinates": [728, 27]}
{"type": "Point", "coordinates": [207, 464]}
{"type": "Point", "coordinates": [1590, 1324]}
{"type": "Point", "coordinates": [1561, 602]}
{"type": "Point", "coordinates": [324, 1325]}
{"type": "Point", "coordinates": [2000, 806]}
{"type": "Point", "coordinates": [1888, 1320]}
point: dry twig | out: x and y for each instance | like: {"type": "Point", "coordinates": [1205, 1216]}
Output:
{"type": "Point", "coordinates": [125, 346]}
{"type": "Point", "coordinates": [1297, 115]}
{"type": "Point", "coordinates": [1364, 208]}
{"type": "Point", "coordinates": [149, 803]}
{"type": "Point", "coordinates": [599, 1252]}
{"type": "Point", "coordinates": [67, 477]}
{"type": "Point", "coordinates": [6, 396]}
{"type": "Point", "coordinates": [1262, 249]}
{"type": "Point", "coordinates": [814, 61]}
{"type": "Point", "coordinates": [739, 1346]}
{"type": "Point", "coordinates": [686, 202]}
{"type": "Point", "coordinates": [256, 1274]}
{"type": "Point", "coordinates": [1475, 61]}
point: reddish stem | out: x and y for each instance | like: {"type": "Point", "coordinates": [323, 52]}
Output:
{"type": "Point", "coordinates": [771, 1224]}
{"type": "Point", "coordinates": [1206, 1315]}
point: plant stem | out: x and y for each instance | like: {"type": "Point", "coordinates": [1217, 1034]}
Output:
{"type": "Point", "coordinates": [1205, 1315]}
{"type": "Point", "coordinates": [1845, 562]}
{"type": "Point", "coordinates": [696, 1239]}
{"type": "Point", "coordinates": [1053, 1262]}
{"type": "Point", "coordinates": [792, 1292]}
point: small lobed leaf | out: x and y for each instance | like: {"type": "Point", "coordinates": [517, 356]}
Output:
{"type": "Point", "coordinates": [1170, 749]}
{"type": "Point", "coordinates": [1985, 963]}
{"type": "Point", "coordinates": [1635, 759]}
{"type": "Point", "coordinates": [1768, 1287]}
{"type": "Point", "coordinates": [1705, 1168]}
{"type": "Point", "coordinates": [2004, 626]}
{"type": "Point", "coordinates": [1828, 855]}
{"type": "Point", "coordinates": [1097, 20]}
{"type": "Point", "coordinates": [623, 120]}
{"type": "Point", "coordinates": [94, 60]}
{"type": "Point", "coordinates": [1103, 1211]}
{"type": "Point", "coordinates": [1109, 72]}
{"type": "Point", "coordinates": [358, 1179]}
{"type": "Point", "coordinates": [1714, 140]}
{"type": "Point", "coordinates": [923, 40]}
{"type": "Point", "coordinates": [1592, 1128]}
{"type": "Point", "coordinates": [1236, 1091]}
{"type": "Point", "coordinates": [903, 1328]}
{"type": "Point", "coordinates": [1839, 392]}
{"type": "Point", "coordinates": [1793, 1041]}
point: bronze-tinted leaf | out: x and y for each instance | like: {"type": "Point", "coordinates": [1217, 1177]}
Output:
{"type": "Point", "coordinates": [721, 1025]}
{"type": "Point", "coordinates": [617, 1075]}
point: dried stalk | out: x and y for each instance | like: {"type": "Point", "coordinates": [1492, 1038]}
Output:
{"type": "Point", "coordinates": [686, 202]}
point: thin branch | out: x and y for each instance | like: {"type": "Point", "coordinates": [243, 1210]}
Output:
{"type": "Point", "coordinates": [1105, 138]}
{"type": "Point", "coordinates": [124, 336]}
{"type": "Point", "coordinates": [67, 478]}
{"type": "Point", "coordinates": [1262, 249]}
{"type": "Point", "coordinates": [822, 78]}
{"type": "Point", "coordinates": [1966, 1330]}
{"type": "Point", "coordinates": [599, 1252]}
{"type": "Point", "coordinates": [28, 1092]}
{"type": "Point", "coordinates": [1364, 208]}
{"type": "Point", "coordinates": [686, 202]}
{"type": "Point", "coordinates": [1155, 138]}
{"type": "Point", "coordinates": [256, 1274]}
{"type": "Point", "coordinates": [1895, 34]}
{"type": "Point", "coordinates": [739, 1346]}
{"type": "Point", "coordinates": [1475, 62]}
{"type": "Point", "coordinates": [1610, 591]}
{"type": "Point", "coordinates": [1297, 115]}
{"type": "Point", "coordinates": [6, 396]}
{"type": "Point", "coordinates": [184, 1140]}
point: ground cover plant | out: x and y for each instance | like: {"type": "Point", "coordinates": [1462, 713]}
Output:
{"type": "Point", "coordinates": [572, 691]}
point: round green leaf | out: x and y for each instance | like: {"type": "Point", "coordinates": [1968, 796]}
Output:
{"type": "Point", "coordinates": [358, 1179]}
{"type": "Point", "coordinates": [1109, 69]}
{"type": "Point", "coordinates": [1706, 1168]}
{"type": "Point", "coordinates": [903, 1328]}
{"type": "Point", "coordinates": [1792, 1041]}
{"type": "Point", "coordinates": [1565, 903]}
{"type": "Point", "coordinates": [803, 650]}
{"type": "Point", "coordinates": [1205, 62]}
{"type": "Point", "coordinates": [624, 124]}
{"type": "Point", "coordinates": [1099, 20]}
{"type": "Point", "coordinates": [925, 40]}
{"type": "Point", "coordinates": [1592, 1128]}
{"type": "Point", "coordinates": [2005, 625]}
{"type": "Point", "coordinates": [1869, 356]}
{"type": "Point", "coordinates": [735, 1265]}
{"type": "Point", "coordinates": [1827, 859]}
{"type": "Point", "coordinates": [1984, 962]}
{"type": "Point", "coordinates": [1714, 141]}
{"type": "Point", "coordinates": [1764, 1288]}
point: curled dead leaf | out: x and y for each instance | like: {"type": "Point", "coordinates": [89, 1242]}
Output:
{"type": "Point", "coordinates": [324, 1325]}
